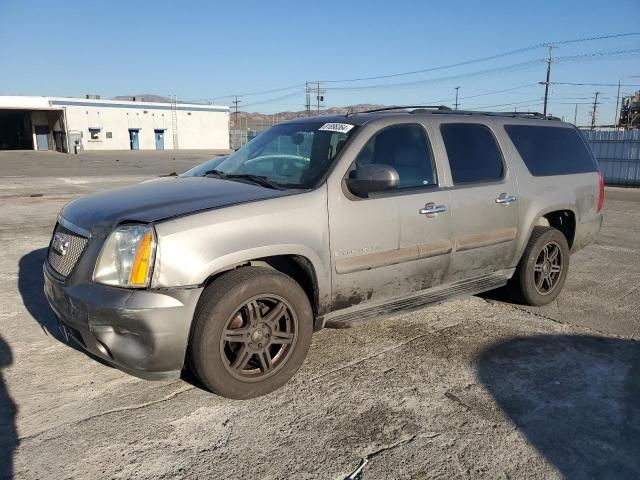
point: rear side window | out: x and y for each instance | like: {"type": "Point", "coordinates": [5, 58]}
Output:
{"type": "Point", "coordinates": [474, 155]}
{"type": "Point", "coordinates": [551, 150]}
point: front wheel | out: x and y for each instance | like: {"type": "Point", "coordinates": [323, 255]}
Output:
{"type": "Point", "coordinates": [252, 330]}
{"type": "Point", "coordinates": [543, 269]}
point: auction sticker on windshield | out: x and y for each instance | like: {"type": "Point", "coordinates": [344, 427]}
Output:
{"type": "Point", "coordinates": [336, 127]}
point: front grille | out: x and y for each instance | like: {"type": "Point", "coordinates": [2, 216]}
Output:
{"type": "Point", "coordinates": [65, 250]}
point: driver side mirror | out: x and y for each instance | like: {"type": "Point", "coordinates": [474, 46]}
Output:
{"type": "Point", "coordinates": [371, 178]}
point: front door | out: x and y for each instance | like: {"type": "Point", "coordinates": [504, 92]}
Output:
{"type": "Point", "coordinates": [42, 137]}
{"type": "Point", "coordinates": [382, 246]}
{"type": "Point", "coordinates": [133, 139]}
{"type": "Point", "coordinates": [159, 139]}
{"type": "Point", "coordinates": [484, 200]}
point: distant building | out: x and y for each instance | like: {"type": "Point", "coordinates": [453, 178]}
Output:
{"type": "Point", "coordinates": [67, 124]}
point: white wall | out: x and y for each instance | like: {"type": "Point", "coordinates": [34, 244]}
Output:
{"type": "Point", "coordinates": [198, 126]}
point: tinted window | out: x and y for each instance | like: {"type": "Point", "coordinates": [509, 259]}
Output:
{"type": "Point", "coordinates": [551, 150]}
{"type": "Point", "coordinates": [405, 148]}
{"type": "Point", "coordinates": [473, 153]}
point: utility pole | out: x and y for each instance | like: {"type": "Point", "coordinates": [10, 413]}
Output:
{"type": "Point", "coordinates": [547, 81]}
{"type": "Point", "coordinates": [593, 112]}
{"type": "Point", "coordinates": [236, 102]}
{"type": "Point", "coordinates": [307, 93]}
{"type": "Point", "coordinates": [457, 88]}
{"type": "Point", "coordinates": [575, 115]}
{"type": "Point", "coordinates": [319, 97]}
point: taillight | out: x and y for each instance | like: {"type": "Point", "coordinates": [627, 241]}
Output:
{"type": "Point", "coordinates": [601, 191]}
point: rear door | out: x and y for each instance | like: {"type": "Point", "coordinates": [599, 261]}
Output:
{"type": "Point", "coordinates": [484, 200]}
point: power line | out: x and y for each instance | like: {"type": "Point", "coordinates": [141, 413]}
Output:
{"type": "Point", "coordinates": [596, 84]}
{"type": "Point", "coordinates": [503, 69]}
{"type": "Point", "coordinates": [487, 58]}
{"type": "Point", "coordinates": [272, 100]}
{"type": "Point", "coordinates": [431, 69]}
{"type": "Point", "coordinates": [512, 67]}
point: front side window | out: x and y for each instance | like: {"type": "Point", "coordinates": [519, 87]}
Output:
{"type": "Point", "coordinates": [474, 155]}
{"type": "Point", "coordinates": [406, 148]}
{"type": "Point", "coordinates": [292, 155]}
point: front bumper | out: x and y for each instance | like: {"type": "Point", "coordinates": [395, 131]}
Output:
{"type": "Point", "coordinates": [141, 332]}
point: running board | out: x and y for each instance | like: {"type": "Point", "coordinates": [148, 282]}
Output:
{"type": "Point", "coordinates": [358, 314]}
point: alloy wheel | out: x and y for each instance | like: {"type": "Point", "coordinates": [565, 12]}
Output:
{"type": "Point", "coordinates": [548, 268]}
{"type": "Point", "coordinates": [258, 338]}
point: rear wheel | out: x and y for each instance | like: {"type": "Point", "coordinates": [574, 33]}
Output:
{"type": "Point", "coordinates": [543, 268]}
{"type": "Point", "coordinates": [251, 332]}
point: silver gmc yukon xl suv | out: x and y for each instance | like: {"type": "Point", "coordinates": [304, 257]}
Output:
{"type": "Point", "coordinates": [322, 221]}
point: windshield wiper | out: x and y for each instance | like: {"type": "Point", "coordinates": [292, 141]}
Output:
{"type": "Point", "coordinates": [256, 179]}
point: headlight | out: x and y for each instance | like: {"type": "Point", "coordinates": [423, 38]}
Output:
{"type": "Point", "coordinates": [126, 259]}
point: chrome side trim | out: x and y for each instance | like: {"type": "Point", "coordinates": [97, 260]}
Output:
{"type": "Point", "coordinates": [392, 257]}
{"type": "Point", "coordinates": [478, 240]}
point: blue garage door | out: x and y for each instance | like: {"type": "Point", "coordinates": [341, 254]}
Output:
{"type": "Point", "coordinates": [159, 139]}
{"type": "Point", "coordinates": [133, 139]}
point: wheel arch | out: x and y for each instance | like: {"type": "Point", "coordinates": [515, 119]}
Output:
{"type": "Point", "coordinates": [561, 217]}
{"type": "Point", "coordinates": [299, 267]}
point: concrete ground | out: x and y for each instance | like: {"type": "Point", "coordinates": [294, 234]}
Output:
{"type": "Point", "coordinates": [474, 388]}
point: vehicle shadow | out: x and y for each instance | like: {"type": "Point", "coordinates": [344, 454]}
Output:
{"type": "Point", "coordinates": [31, 286]}
{"type": "Point", "coordinates": [575, 398]}
{"type": "Point", "coordinates": [8, 410]}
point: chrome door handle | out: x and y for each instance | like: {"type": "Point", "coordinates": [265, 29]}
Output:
{"type": "Point", "coordinates": [506, 199]}
{"type": "Point", "coordinates": [431, 209]}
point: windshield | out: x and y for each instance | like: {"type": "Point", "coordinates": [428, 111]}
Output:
{"type": "Point", "coordinates": [293, 155]}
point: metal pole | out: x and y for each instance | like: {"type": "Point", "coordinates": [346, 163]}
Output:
{"type": "Point", "coordinates": [575, 115]}
{"type": "Point", "coordinates": [318, 99]}
{"type": "Point", "coordinates": [593, 113]}
{"type": "Point", "coordinates": [457, 88]}
{"type": "Point", "coordinates": [546, 82]}
{"type": "Point", "coordinates": [615, 119]}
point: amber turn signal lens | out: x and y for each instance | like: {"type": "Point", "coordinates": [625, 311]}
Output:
{"type": "Point", "coordinates": [141, 262]}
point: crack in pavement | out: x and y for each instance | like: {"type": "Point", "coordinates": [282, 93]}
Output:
{"type": "Point", "coordinates": [377, 354]}
{"type": "Point", "coordinates": [109, 412]}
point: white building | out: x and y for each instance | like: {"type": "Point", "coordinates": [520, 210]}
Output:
{"type": "Point", "coordinates": [67, 124]}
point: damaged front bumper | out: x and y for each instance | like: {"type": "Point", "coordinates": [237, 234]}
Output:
{"type": "Point", "coordinates": [142, 332]}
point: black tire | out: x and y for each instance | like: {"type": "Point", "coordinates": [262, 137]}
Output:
{"type": "Point", "coordinates": [526, 283]}
{"type": "Point", "coordinates": [232, 319]}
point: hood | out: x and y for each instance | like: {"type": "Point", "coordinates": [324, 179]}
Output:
{"type": "Point", "coordinates": [149, 202]}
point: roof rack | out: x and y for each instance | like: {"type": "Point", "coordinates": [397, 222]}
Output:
{"type": "Point", "coordinates": [404, 107]}
{"type": "Point", "coordinates": [504, 114]}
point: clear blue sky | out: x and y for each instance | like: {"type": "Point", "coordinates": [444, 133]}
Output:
{"type": "Point", "coordinates": [207, 50]}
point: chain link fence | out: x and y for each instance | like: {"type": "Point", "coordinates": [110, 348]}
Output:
{"type": "Point", "coordinates": [618, 155]}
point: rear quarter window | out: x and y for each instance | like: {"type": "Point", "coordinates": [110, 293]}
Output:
{"type": "Point", "coordinates": [551, 150]}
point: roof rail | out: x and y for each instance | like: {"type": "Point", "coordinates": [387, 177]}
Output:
{"type": "Point", "coordinates": [443, 109]}
{"type": "Point", "coordinates": [504, 114]}
{"type": "Point", "coordinates": [404, 107]}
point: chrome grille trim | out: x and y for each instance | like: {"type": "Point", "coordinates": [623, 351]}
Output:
{"type": "Point", "coordinates": [64, 264]}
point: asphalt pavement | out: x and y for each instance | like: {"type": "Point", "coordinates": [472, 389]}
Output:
{"type": "Point", "coordinates": [473, 388]}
